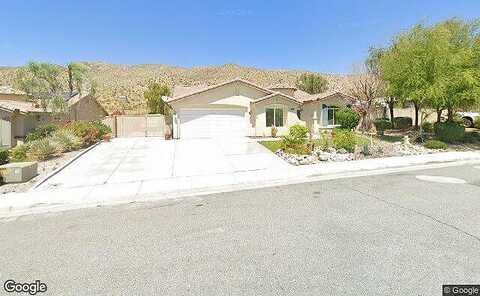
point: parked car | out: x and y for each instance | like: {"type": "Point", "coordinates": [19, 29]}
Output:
{"type": "Point", "coordinates": [469, 118]}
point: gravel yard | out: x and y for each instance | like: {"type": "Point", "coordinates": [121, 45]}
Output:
{"type": "Point", "coordinates": [44, 168]}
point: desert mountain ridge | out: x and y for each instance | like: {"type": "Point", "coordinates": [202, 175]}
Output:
{"type": "Point", "coordinates": [114, 81]}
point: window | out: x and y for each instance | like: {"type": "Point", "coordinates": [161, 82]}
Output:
{"type": "Point", "coordinates": [328, 115]}
{"type": "Point", "coordinates": [274, 116]}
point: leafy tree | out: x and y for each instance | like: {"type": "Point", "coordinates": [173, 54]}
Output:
{"type": "Point", "coordinates": [153, 96]}
{"type": "Point", "coordinates": [76, 76]}
{"type": "Point", "coordinates": [42, 81]}
{"type": "Point", "coordinates": [312, 83]}
{"type": "Point", "coordinates": [435, 67]}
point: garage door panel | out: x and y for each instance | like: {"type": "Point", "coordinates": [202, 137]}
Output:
{"type": "Point", "coordinates": [212, 123]}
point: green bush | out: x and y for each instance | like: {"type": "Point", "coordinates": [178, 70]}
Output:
{"type": "Point", "coordinates": [427, 127]}
{"type": "Point", "coordinates": [298, 133]}
{"type": "Point", "coordinates": [381, 125]}
{"type": "Point", "coordinates": [347, 118]}
{"type": "Point", "coordinates": [402, 122]}
{"type": "Point", "coordinates": [477, 122]}
{"type": "Point", "coordinates": [344, 139]}
{"type": "Point", "coordinates": [3, 156]}
{"type": "Point", "coordinates": [89, 132]}
{"type": "Point", "coordinates": [41, 132]}
{"type": "Point", "coordinates": [435, 144]}
{"type": "Point", "coordinates": [19, 153]}
{"type": "Point", "coordinates": [65, 140]}
{"type": "Point", "coordinates": [449, 132]}
{"type": "Point", "coordinates": [40, 149]}
{"type": "Point", "coordinates": [296, 140]}
{"type": "Point", "coordinates": [102, 127]}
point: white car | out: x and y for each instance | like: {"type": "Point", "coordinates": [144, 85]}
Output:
{"type": "Point", "coordinates": [469, 118]}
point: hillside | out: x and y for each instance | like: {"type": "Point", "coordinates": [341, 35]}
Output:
{"type": "Point", "coordinates": [114, 81]}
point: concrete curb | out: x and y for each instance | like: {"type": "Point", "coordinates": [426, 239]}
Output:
{"type": "Point", "coordinates": [57, 200]}
{"type": "Point", "coordinates": [44, 179]}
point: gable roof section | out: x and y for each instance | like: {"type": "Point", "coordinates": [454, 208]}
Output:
{"type": "Point", "coordinates": [278, 94]}
{"type": "Point", "coordinates": [327, 95]}
{"type": "Point", "coordinates": [197, 91]}
{"type": "Point", "coordinates": [77, 97]}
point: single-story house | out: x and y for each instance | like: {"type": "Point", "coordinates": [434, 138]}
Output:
{"type": "Point", "coordinates": [19, 115]}
{"type": "Point", "coordinates": [239, 108]}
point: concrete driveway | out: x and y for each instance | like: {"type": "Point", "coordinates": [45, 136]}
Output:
{"type": "Point", "coordinates": [142, 165]}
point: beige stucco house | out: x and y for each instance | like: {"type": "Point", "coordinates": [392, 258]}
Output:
{"type": "Point", "coordinates": [19, 115]}
{"type": "Point", "coordinates": [239, 108]}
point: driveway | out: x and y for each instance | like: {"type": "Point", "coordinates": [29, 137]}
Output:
{"type": "Point", "coordinates": [146, 164]}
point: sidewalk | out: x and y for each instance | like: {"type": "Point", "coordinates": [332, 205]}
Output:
{"type": "Point", "coordinates": [16, 204]}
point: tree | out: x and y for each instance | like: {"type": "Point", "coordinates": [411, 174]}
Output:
{"type": "Point", "coordinates": [42, 81]}
{"type": "Point", "coordinates": [435, 67]}
{"type": "Point", "coordinates": [312, 83]}
{"type": "Point", "coordinates": [374, 67]}
{"type": "Point", "coordinates": [153, 97]}
{"type": "Point", "coordinates": [367, 88]}
{"type": "Point", "coordinates": [76, 76]}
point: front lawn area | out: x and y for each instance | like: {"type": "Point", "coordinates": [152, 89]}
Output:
{"type": "Point", "coordinates": [272, 145]}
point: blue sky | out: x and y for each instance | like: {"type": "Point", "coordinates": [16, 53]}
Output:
{"type": "Point", "coordinates": [324, 36]}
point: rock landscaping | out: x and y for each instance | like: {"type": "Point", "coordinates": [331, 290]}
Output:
{"type": "Point", "coordinates": [378, 149]}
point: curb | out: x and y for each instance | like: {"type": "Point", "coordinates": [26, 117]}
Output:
{"type": "Point", "coordinates": [67, 205]}
{"type": "Point", "coordinates": [58, 170]}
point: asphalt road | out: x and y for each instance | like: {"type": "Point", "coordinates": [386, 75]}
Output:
{"type": "Point", "coordinates": [377, 235]}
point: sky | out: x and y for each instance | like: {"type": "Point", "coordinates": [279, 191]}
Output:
{"type": "Point", "coordinates": [322, 36]}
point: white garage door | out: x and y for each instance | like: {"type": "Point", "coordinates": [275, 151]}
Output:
{"type": "Point", "coordinates": [212, 123]}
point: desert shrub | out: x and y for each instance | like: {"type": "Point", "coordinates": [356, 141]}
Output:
{"type": "Point", "coordinates": [402, 122]}
{"type": "Point", "coordinates": [40, 149]}
{"type": "Point", "coordinates": [19, 153]}
{"type": "Point", "coordinates": [296, 140]}
{"type": "Point", "coordinates": [298, 133]}
{"type": "Point", "coordinates": [449, 132]}
{"type": "Point", "coordinates": [344, 139]}
{"type": "Point", "coordinates": [435, 144]}
{"type": "Point", "coordinates": [89, 132]}
{"type": "Point", "coordinates": [427, 127]}
{"type": "Point", "coordinates": [65, 140]}
{"type": "Point", "coordinates": [3, 156]}
{"type": "Point", "coordinates": [325, 141]}
{"type": "Point", "coordinates": [41, 132]}
{"type": "Point", "coordinates": [347, 118]}
{"type": "Point", "coordinates": [381, 125]}
{"type": "Point", "coordinates": [102, 127]}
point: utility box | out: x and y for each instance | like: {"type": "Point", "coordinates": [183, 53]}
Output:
{"type": "Point", "coordinates": [18, 172]}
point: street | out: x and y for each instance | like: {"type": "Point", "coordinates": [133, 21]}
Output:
{"type": "Point", "coordinates": [398, 234]}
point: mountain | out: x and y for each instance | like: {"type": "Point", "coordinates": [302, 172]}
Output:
{"type": "Point", "coordinates": [114, 81]}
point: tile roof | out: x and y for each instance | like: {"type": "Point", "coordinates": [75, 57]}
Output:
{"type": "Point", "coordinates": [180, 92]}
{"type": "Point", "coordinates": [22, 106]}
{"type": "Point", "coordinates": [8, 90]}
{"type": "Point", "coordinates": [197, 90]}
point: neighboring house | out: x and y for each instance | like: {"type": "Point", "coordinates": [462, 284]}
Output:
{"type": "Point", "coordinates": [19, 115]}
{"type": "Point", "coordinates": [84, 107]}
{"type": "Point", "coordinates": [240, 108]}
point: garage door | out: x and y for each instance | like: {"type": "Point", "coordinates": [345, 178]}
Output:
{"type": "Point", "coordinates": [212, 123]}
